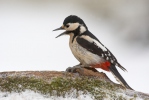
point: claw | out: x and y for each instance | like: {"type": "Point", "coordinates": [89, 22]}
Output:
{"type": "Point", "coordinates": [74, 69]}
{"type": "Point", "coordinates": [69, 69]}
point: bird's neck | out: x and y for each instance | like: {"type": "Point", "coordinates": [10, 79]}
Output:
{"type": "Point", "coordinates": [73, 34]}
{"type": "Point", "coordinates": [72, 37]}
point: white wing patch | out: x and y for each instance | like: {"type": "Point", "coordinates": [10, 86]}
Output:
{"type": "Point", "coordinates": [95, 41]}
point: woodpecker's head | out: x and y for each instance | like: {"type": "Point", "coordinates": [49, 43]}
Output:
{"type": "Point", "coordinates": [71, 24]}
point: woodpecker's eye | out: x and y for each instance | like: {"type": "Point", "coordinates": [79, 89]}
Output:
{"type": "Point", "coordinates": [67, 26]}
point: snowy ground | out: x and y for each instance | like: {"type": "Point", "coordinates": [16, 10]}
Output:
{"type": "Point", "coordinates": [31, 95]}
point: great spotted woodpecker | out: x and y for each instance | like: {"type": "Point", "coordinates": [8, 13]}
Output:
{"type": "Point", "coordinates": [88, 50]}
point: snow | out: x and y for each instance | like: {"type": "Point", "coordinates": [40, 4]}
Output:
{"type": "Point", "coordinates": [31, 95]}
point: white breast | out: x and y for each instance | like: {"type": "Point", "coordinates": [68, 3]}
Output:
{"type": "Point", "coordinates": [82, 55]}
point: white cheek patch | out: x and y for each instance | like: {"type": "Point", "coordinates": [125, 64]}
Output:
{"type": "Point", "coordinates": [95, 41]}
{"type": "Point", "coordinates": [82, 29]}
{"type": "Point", "coordinates": [72, 26]}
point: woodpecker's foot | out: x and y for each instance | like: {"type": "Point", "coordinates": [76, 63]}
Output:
{"type": "Point", "coordinates": [75, 69]}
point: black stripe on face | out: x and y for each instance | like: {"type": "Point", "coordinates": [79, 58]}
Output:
{"type": "Point", "coordinates": [76, 33]}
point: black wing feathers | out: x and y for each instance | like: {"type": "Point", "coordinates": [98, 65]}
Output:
{"type": "Point", "coordinates": [92, 47]}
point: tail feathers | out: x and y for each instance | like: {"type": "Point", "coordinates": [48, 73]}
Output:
{"type": "Point", "coordinates": [120, 66]}
{"type": "Point", "coordinates": [119, 77]}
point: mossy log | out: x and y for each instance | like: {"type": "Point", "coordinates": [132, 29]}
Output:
{"type": "Point", "coordinates": [54, 83]}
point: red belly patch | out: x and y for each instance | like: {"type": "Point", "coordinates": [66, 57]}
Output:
{"type": "Point", "coordinates": [104, 65]}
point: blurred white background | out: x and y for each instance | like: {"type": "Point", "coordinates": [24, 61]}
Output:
{"type": "Point", "coordinates": [28, 43]}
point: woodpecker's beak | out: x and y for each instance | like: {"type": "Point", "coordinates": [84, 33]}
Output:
{"type": "Point", "coordinates": [61, 28]}
{"type": "Point", "coordinates": [61, 34]}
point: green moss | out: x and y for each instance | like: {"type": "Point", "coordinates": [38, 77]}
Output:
{"type": "Point", "coordinates": [60, 86]}
{"type": "Point", "coordinates": [134, 97]}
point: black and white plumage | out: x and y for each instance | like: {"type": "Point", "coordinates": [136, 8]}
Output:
{"type": "Point", "coordinates": [88, 50]}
